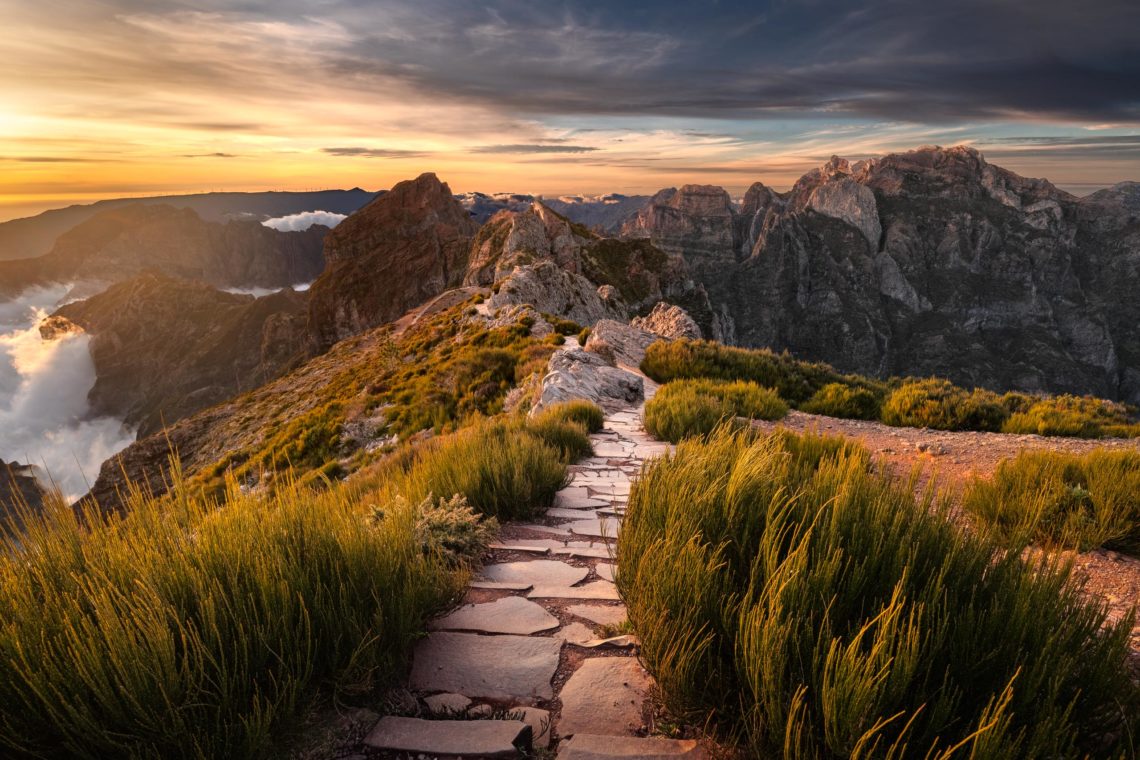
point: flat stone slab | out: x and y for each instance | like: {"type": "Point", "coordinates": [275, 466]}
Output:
{"type": "Point", "coordinates": [605, 696]}
{"type": "Point", "coordinates": [447, 703]}
{"type": "Point", "coordinates": [575, 633]}
{"type": "Point", "coordinates": [571, 514]}
{"type": "Point", "coordinates": [530, 547]}
{"type": "Point", "coordinates": [511, 614]}
{"type": "Point", "coordinates": [515, 668]}
{"type": "Point", "coordinates": [493, 586]}
{"type": "Point", "coordinates": [585, 501]}
{"type": "Point", "coordinates": [593, 552]}
{"type": "Point", "coordinates": [554, 530]}
{"type": "Point", "coordinates": [451, 738]}
{"type": "Point", "coordinates": [602, 527]}
{"type": "Point", "coordinates": [539, 722]}
{"type": "Point", "coordinates": [605, 571]}
{"type": "Point", "coordinates": [545, 572]}
{"type": "Point", "coordinates": [597, 747]}
{"type": "Point", "coordinates": [595, 590]}
{"type": "Point", "coordinates": [602, 614]}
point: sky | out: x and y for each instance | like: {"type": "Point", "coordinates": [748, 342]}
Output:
{"type": "Point", "coordinates": [114, 98]}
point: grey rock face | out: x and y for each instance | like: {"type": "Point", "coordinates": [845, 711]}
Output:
{"type": "Point", "coordinates": [929, 262]}
{"type": "Point", "coordinates": [619, 343]}
{"type": "Point", "coordinates": [669, 321]}
{"type": "Point", "coordinates": [553, 290]}
{"type": "Point", "coordinates": [577, 374]}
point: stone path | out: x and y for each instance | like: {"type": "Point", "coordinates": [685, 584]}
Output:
{"type": "Point", "coordinates": [539, 650]}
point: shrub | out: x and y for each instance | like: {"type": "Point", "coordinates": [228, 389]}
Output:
{"type": "Point", "coordinates": [686, 408]}
{"type": "Point", "coordinates": [810, 607]}
{"type": "Point", "coordinates": [1081, 501]}
{"type": "Point", "coordinates": [939, 404]}
{"type": "Point", "coordinates": [796, 381]}
{"type": "Point", "coordinates": [453, 530]}
{"type": "Point", "coordinates": [1074, 416]}
{"type": "Point", "coordinates": [567, 437]}
{"type": "Point", "coordinates": [839, 400]}
{"type": "Point", "coordinates": [563, 326]}
{"type": "Point", "coordinates": [587, 413]}
{"type": "Point", "coordinates": [504, 470]}
{"type": "Point", "coordinates": [583, 336]}
{"type": "Point", "coordinates": [190, 628]}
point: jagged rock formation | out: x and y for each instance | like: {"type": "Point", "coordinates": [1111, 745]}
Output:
{"type": "Point", "coordinates": [927, 262]}
{"type": "Point", "coordinates": [577, 374]}
{"type": "Point", "coordinates": [669, 321]}
{"type": "Point", "coordinates": [165, 348]}
{"type": "Point", "coordinates": [401, 249]}
{"type": "Point", "coordinates": [604, 214]}
{"type": "Point", "coordinates": [539, 257]}
{"type": "Point", "coordinates": [119, 243]}
{"type": "Point", "coordinates": [18, 489]}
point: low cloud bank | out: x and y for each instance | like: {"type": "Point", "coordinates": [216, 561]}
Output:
{"type": "Point", "coordinates": [257, 292]}
{"type": "Point", "coordinates": [43, 398]}
{"type": "Point", "coordinates": [304, 220]}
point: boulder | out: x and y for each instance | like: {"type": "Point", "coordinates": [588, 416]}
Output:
{"type": "Point", "coordinates": [619, 343]}
{"type": "Point", "coordinates": [553, 290]}
{"type": "Point", "coordinates": [578, 374]}
{"type": "Point", "coordinates": [669, 321]}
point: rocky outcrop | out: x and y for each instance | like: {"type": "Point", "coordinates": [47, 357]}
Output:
{"type": "Point", "coordinates": [927, 262]}
{"type": "Point", "coordinates": [553, 290]}
{"type": "Point", "coordinates": [620, 343]}
{"type": "Point", "coordinates": [514, 238]}
{"type": "Point", "coordinates": [398, 251]}
{"type": "Point", "coordinates": [119, 243]}
{"type": "Point", "coordinates": [19, 490]}
{"type": "Point", "coordinates": [697, 221]}
{"type": "Point", "coordinates": [669, 321]}
{"type": "Point", "coordinates": [577, 374]}
{"type": "Point", "coordinates": [165, 348]}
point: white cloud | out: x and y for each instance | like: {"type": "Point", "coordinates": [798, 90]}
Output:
{"type": "Point", "coordinates": [257, 292]}
{"type": "Point", "coordinates": [43, 398]}
{"type": "Point", "coordinates": [304, 220]}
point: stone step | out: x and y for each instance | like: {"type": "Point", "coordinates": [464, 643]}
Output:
{"type": "Point", "coordinates": [517, 668]}
{"type": "Point", "coordinates": [605, 695]}
{"type": "Point", "coordinates": [511, 614]}
{"type": "Point", "coordinates": [603, 590]}
{"type": "Point", "coordinates": [452, 738]}
{"type": "Point", "coordinates": [596, 747]}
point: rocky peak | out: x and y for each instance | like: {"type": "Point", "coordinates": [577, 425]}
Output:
{"type": "Point", "coordinates": [514, 238]}
{"type": "Point", "coordinates": [403, 248]}
{"type": "Point", "coordinates": [669, 321]}
{"type": "Point", "coordinates": [695, 221]}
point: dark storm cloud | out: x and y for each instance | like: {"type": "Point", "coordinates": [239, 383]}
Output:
{"type": "Point", "coordinates": [373, 153]}
{"type": "Point", "coordinates": [533, 148]}
{"type": "Point", "coordinates": [1070, 147]}
{"type": "Point", "coordinates": [939, 60]}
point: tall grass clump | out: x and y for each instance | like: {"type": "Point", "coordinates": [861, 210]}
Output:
{"type": "Point", "coordinates": [503, 468]}
{"type": "Point", "coordinates": [941, 405]}
{"type": "Point", "coordinates": [811, 608]}
{"type": "Point", "coordinates": [586, 413]}
{"type": "Point", "coordinates": [1071, 500]}
{"type": "Point", "coordinates": [686, 408]}
{"type": "Point", "coordinates": [193, 628]}
{"type": "Point", "coordinates": [845, 401]}
{"type": "Point", "coordinates": [1074, 416]}
{"type": "Point", "coordinates": [796, 381]}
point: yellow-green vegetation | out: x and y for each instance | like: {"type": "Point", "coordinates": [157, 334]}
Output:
{"type": "Point", "coordinates": [507, 468]}
{"type": "Point", "coordinates": [439, 375]}
{"type": "Point", "coordinates": [192, 628]}
{"type": "Point", "coordinates": [563, 326]}
{"type": "Point", "coordinates": [839, 400]}
{"type": "Point", "coordinates": [1064, 500]}
{"type": "Point", "coordinates": [585, 413]}
{"type": "Point", "coordinates": [633, 267]}
{"type": "Point", "coordinates": [796, 381]}
{"type": "Point", "coordinates": [931, 402]}
{"type": "Point", "coordinates": [806, 606]}
{"type": "Point", "coordinates": [685, 408]}
{"type": "Point", "coordinates": [941, 405]}
{"type": "Point", "coordinates": [1075, 416]}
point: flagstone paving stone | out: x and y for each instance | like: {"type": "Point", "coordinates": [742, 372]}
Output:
{"type": "Point", "coordinates": [488, 667]}
{"type": "Point", "coordinates": [602, 614]}
{"type": "Point", "coordinates": [604, 696]}
{"type": "Point", "coordinates": [547, 572]}
{"type": "Point", "coordinates": [595, 590]}
{"type": "Point", "coordinates": [595, 747]}
{"type": "Point", "coordinates": [511, 614]}
{"type": "Point", "coordinates": [451, 738]}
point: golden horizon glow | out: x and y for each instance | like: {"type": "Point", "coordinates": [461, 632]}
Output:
{"type": "Point", "coordinates": [107, 101]}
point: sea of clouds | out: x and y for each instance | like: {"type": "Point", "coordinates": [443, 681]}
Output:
{"type": "Point", "coordinates": [304, 220]}
{"type": "Point", "coordinates": [44, 415]}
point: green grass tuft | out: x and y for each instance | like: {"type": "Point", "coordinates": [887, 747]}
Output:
{"type": "Point", "coordinates": [1067, 500]}
{"type": "Point", "coordinates": [686, 408]}
{"type": "Point", "coordinates": [811, 608]}
{"type": "Point", "coordinates": [190, 628]}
